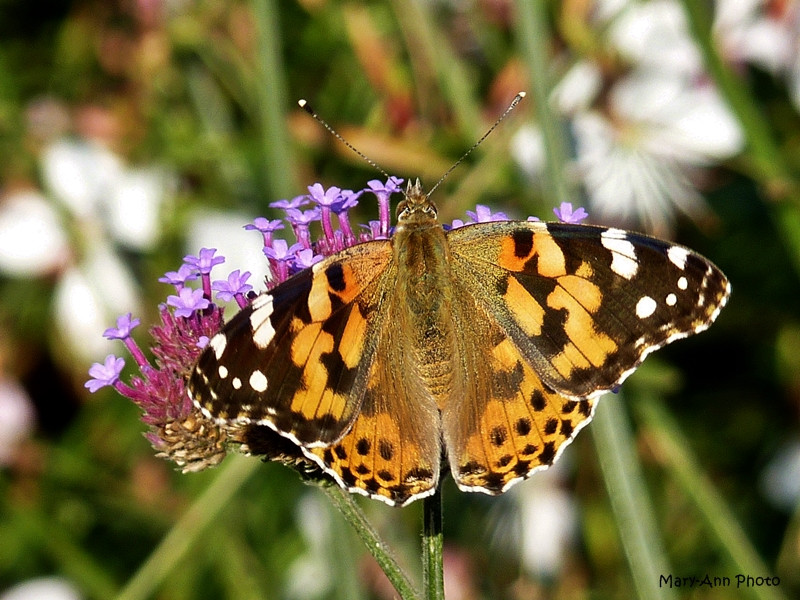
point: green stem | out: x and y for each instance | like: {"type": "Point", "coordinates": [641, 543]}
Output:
{"type": "Point", "coordinates": [272, 101]}
{"type": "Point", "coordinates": [353, 514]}
{"type": "Point", "coordinates": [432, 546]}
{"type": "Point", "coordinates": [189, 528]}
{"type": "Point", "coordinates": [636, 523]}
{"type": "Point", "coordinates": [534, 40]}
{"type": "Point", "coordinates": [722, 524]}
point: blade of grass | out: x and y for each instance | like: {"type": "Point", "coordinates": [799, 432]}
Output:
{"type": "Point", "coordinates": [272, 101]}
{"type": "Point", "coordinates": [353, 514]}
{"type": "Point", "coordinates": [673, 448]}
{"type": "Point", "coordinates": [189, 528]}
{"type": "Point", "coordinates": [426, 46]}
{"type": "Point", "coordinates": [622, 475]}
{"type": "Point", "coordinates": [533, 40]}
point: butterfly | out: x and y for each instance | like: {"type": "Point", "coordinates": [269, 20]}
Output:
{"type": "Point", "coordinates": [480, 350]}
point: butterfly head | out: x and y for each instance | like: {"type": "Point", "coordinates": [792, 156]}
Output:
{"type": "Point", "coordinates": [416, 206]}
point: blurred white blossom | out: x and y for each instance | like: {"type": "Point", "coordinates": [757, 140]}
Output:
{"type": "Point", "coordinates": [42, 588]}
{"type": "Point", "coordinates": [93, 204]}
{"type": "Point", "coordinates": [644, 130]}
{"type": "Point", "coordinates": [764, 33]}
{"type": "Point", "coordinates": [17, 417]}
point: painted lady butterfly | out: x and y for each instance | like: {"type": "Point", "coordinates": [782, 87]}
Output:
{"type": "Point", "coordinates": [483, 348]}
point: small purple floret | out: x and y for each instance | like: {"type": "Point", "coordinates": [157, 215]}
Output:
{"type": "Point", "coordinates": [104, 374]}
{"type": "Point", "coordinates": [295, 202]}
{"type": "Point", "coordinates": [484, 214]}
{"type": "Point", "coordinates": [125, 324]}
{"type": "Point", "coordinates": [180, 277]}
{"type": "Point", "coordinates": [204, 261]}
{"type": "Point", "coordinates": [235, 287]}
{"type": "Point", "coordinates": [565, 214]}
{"type": "Point", "coordinates": [188, 301]}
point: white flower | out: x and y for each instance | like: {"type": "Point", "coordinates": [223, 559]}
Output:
{"type": "Point", "coordinates": [42, 588]}
{"type": "Point", "coordinates": [17, 418]}
{"type": "Point", "coordinates": [637, 160]}
{"type": "Point", "coordinates": [32, 241]}
{"type": "Point", "coordinates": [102, 203]}
{"type": "Point", "coordinates": [766, 34]}
{"type": "Point", "coordinates": [542, 524]}
{"type": "Point", "coordinates": [654, 35]}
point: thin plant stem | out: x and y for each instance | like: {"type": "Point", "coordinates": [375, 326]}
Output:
{"type": "Point", "coordinates": [353, 514]}
{"type": "Point", "coordinates": [180, 539]}
{"type": "Point", "coordinates": [534, 41]}
{"type": "Point", "coordinates": [636, 523]}
{"type": "Point", "coordinates": [432, 547]}
{"type": "Point", "coordinates": [725, 533]}
{"type": "Point", "coordinates": [272, 101]}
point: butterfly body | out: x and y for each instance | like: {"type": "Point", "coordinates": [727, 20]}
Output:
{"type": "Point", "coordinates": [486, 344]}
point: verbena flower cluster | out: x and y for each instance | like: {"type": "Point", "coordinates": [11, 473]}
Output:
{"type": "Point", "coordinates": [190, 317]}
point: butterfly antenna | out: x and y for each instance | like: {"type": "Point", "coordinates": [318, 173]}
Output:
{"type": "Point", "coordinates": [511, 107]}
{"type": "Point", "coordinates": [307, 107]}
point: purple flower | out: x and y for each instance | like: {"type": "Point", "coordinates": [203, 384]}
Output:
{"type": "Point", "coordinates": [300, 221]}
{"type": "Point", "coordinates": [264, 225]}
{"type": "Point", "coordinates": [305, 258]}
{"type": "Point", "coordinates": [324, 197]}
{"type": "Point", "coordinates": [295, 202]}
{"type": "Point", "coordinates": [188, 301]}
{"type": "Point", "coordinates": [483, 214]}
{"type": "Point", "coordinates": [125, 324]}
{"type": "Point", "coordinates": [565, 214]}
{"type": "Point", "coordinates": [235, 286]}
{"type": "Point", "coordinates": [204, 261]}
{"type": "Point", "coordinates": [104, 374]}
{"type": "Point", "coordinates": [180, 277]}
{"type": "Point", "coordinates": [382, 192]}
{"type": "Point", "coordinates": [326, 200]}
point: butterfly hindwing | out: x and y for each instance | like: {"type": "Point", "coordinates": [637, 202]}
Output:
{"type": "Point", "coordinates": [506, 424]}
{"type": "Point", "coordinates": [584, 305]}
{"type": "Point", "coordinates": [297, 359]}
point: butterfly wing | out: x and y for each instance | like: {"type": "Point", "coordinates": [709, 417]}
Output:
{"type": "Point", "coordinates": [505, 423]}
{"type": "Point", "coordinates": [564, 312]}
{"type": "Point", "coordinates": [297, 359]}
{"type": "Point", "coordinates": [585, 305]}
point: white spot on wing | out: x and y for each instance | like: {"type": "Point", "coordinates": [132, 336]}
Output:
{"type": "Point", "coordinates": [236, 383]}
{"type": "Point", "coordinates": [683, 283]}
{"type": "Point", "coordinates": [623, 253]}
{"type": "Point", "coordinates": [645, 307]}
{"type": "Point", "coordinates": [223, 372]}
{"type": "Point", "coordinates": [677, 256]}
{"type": "Point", "coordinates": [258, 381]}
{"type": "Point", "coordinates": [671, 299]}
{"type": "Point", "coordinates": [263, 332]}
{"type": "Point", "coordinates": [218, 343]}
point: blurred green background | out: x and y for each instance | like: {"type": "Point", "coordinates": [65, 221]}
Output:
{"type": "Point", "coordinates": [133, 132]}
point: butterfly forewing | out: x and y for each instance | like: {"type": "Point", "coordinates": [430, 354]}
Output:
{"type": "Point", "coordinates": [585, 304]}
{"type": "Point", "coordinates": [298, 357]}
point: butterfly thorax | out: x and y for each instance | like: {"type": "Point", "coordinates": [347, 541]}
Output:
{"type": "Point", "coordinates": [424, 293]}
